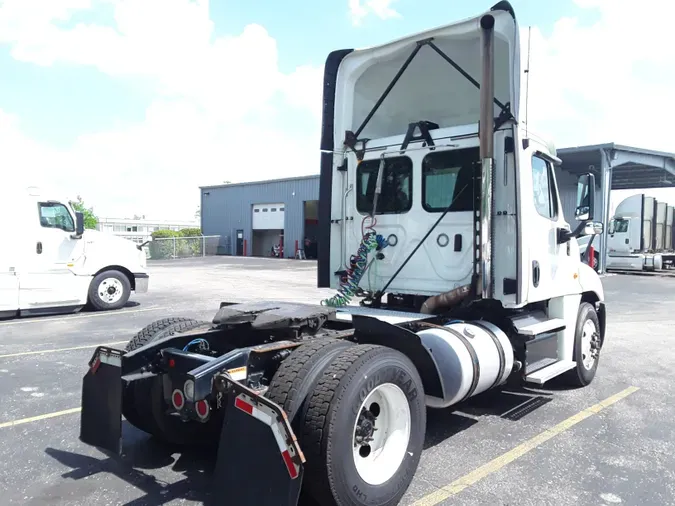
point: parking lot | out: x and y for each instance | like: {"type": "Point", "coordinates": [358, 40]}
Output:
{"type": "Point", "coordinates": [610, 443]}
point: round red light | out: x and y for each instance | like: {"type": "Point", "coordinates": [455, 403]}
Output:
{"type": "Point", "coordinates": [202, 408]}
{"type": "Point", "coordinates": [177, 399]}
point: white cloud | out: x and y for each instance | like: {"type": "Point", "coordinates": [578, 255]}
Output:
{"type": "Point", "coordinates": [216, 113]}
{"type": "Point", "coordinates": [360, 9]}
{"type": "Point", "coordinates": [212, 119]}
{"type": "Point", "coordinates": [608, 81]}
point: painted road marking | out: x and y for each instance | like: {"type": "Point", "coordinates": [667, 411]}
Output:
{"type": "Point", "coordinates": [79, 317]}
{"type": "Point", "coordinates": [498, 463]}
{"type": "Point", "coordinates": [39, 417]}
{"type": "Point", "coordinates": [25, 353]}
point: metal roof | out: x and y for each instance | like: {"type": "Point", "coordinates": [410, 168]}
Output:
{"type": "Point", "coordinates": [260, 182]}
{"type": "Point", "coordinates": [631, 167]}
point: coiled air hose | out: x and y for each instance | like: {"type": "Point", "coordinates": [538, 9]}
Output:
{"type": "Point", "coordinates": [370, 241]}
{"type": "Point", "coordinates": [349, 285]}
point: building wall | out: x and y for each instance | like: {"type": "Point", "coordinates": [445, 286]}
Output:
{"type": "Point", "coordinates": [228, 208]}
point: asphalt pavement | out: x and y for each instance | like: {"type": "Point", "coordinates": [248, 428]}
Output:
{"type": "Point", "coordinates": [610, 443]}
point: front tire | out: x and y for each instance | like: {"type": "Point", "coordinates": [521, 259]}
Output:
{"type": "Point", "coordinates": [109, 290]}
{"type": "Point", "coordinates": [586, 347]}
{"type": "Point", "coordinates": [366, 387]}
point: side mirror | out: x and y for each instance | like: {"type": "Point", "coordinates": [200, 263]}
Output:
{"type": "Point", "coordinates": [593, 228]}
{"type": "Point", "coordinates": [79, 224]}
{"type": "Point", "coordinates": [585, 197]}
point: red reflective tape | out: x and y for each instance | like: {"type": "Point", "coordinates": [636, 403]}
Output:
{"type": "Point", "coordinates": [289, 464]}
{"type": "Point", "coordinates": [244, 406]}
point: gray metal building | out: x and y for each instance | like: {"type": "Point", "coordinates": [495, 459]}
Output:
{"type": "Point", "coordinates": [252, 218]}
{"type": "Point", "coordinates": [242, 213]}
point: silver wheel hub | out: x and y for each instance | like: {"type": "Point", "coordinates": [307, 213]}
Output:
{"type": "Point", "coordinates": [590, 344]}
{"type": "Point", "coordinates": [381, 434]}
{"type": "Point", "coordinates": [110, 290]}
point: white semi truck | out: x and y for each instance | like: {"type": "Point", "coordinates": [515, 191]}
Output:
{"type": "Point", "coordinates": [442, 214]}
{"type": "Point", "coordinates": [640, 235]}
{"type": "Point", "coordinates": [49, 263]}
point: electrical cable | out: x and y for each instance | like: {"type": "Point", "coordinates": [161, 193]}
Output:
{"type": "Point", "coordinates": [197, 341]}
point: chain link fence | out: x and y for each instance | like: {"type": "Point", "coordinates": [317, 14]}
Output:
{"type": "Point", "coordinates": [183, 247]}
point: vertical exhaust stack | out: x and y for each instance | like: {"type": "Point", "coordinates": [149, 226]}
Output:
{"type": "Point", "coordinates": [486, 138]}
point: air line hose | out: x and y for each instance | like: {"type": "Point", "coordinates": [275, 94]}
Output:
{"type": "Point", "coordinates": [349, 285]}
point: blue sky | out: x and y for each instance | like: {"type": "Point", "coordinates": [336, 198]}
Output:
{"type": "Point", "coordinates": [145, 97]}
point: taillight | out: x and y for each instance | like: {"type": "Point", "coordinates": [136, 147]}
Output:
{"type": "Point", "coordinates": [177, 399]}
{"type": "Point", "coordinates": [202, 409]}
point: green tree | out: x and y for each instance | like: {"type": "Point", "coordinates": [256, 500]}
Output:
{"type": "Point", "coordinates": [90, 219]}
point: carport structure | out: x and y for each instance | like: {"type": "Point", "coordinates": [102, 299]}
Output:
{"type": "Point", "coordinates": [618, 167]}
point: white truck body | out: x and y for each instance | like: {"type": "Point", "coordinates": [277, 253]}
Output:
{"type": "Point", "coordinates": [640, 235]}
{"type": "Point", "coordinates": [46, 267]}
{"type": "Point", "coordinates": [529, 254]}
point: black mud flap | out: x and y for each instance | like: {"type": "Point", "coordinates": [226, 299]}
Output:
{"type": "Point", "coordinates": [101, 415]}
{"type": "Point", "coordinates": [259, 460]}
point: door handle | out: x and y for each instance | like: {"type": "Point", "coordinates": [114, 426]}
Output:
{"type": "Point", "coordinates": [38, 248]}
{"type": "Point", "coordinates": [535, 273]}
{"type": "Point", "coordinates": [626, 241]}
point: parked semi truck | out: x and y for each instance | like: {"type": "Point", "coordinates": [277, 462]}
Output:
{"type": "Point", "coordinates": [442, 216]}
{"type": "Point", "coordinates": [49, 263]}
{"type": "Point", "coordinates": [640, 235]}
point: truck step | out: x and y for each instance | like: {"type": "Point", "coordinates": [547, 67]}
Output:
{"type": "Point", "coordinates": [549, 372]}
{"type": "Point", "coordinates": [535, 323]}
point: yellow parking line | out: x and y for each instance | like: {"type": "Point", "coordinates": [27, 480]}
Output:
{"type": "Point", "coordinates": [48, 319]}
{"type": "Point", "coordinates": [39, 352]}
{"type": "Point", "coordinates": [498, 463]}
{"type": "Point", "coordinates": [39, 417]}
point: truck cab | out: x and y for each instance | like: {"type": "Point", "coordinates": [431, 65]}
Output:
{"type": "Point", "coordinates": [50, 264]}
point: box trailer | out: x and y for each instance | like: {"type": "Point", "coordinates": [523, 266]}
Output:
{"type": "Point", "coordinates": [640, 235]}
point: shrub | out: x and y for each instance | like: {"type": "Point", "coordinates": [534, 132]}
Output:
{"type": "Point", "coordinates": [190, 232]}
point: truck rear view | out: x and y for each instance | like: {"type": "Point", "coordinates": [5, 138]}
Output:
{"type": "Point", "coordinates": [444, 217]}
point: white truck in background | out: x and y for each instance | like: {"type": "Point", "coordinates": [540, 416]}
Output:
{"type": "Point", "coordinates": [640, 235]}
{"type": "Point", "coordinates": [49, 264]}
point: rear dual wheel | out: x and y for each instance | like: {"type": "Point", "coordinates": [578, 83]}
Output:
{"type": "Point", "coordinates": [362, 426]}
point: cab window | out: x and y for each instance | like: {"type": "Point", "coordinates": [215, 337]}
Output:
{"type": "Point", "coordinates": [543, 187]}
{"type": "Point", "coordinates": [620, 226]}
{"type": "Point", "coordinates": [447, 180]}
{"type": "Point", "coordinates": [396, 196]}
{"type": "Point", "coordinates": [55, 215]}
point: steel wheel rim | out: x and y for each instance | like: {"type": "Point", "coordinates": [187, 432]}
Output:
{"type": "Point", "coordinates": [110, 290]}
{"type": "Point", "coordinates": [588, 338]}
{"type": "Point", "coordinates": [378, 459]}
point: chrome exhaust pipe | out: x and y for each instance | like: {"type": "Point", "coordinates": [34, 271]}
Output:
{"type": "Point", "coordinates": [486, 139]}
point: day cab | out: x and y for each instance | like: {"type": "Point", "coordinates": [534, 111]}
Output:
{"type": "Point", "coordinates": [49, 264]}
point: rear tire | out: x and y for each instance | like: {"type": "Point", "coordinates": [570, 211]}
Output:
{"type": "Point", "coordinates": [298, 374]}
{"type": "Point", "coordinates": [109, 290]}
{"type": "Point", "coordinates": [344, 466]}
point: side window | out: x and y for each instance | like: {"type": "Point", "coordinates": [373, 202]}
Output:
{"type": "Point", "coordinates": [447, 180]}
{"type": "Point", "coordinates": [55, 215]}
{"type": "Point", "coordinates": [544, 188]}
{"type": "Point", "coordinates": [396, 196]}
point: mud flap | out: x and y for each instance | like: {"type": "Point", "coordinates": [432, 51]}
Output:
{"type": "Point", "coordinates": [259, 461]}
{"type": "Point", "coordinates": [101, 415]}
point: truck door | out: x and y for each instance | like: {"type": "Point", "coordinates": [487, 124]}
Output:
{"type": "Point", "coordinates": [552, 265]}
{"type": "Point", "coordinates": [46, 280]}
